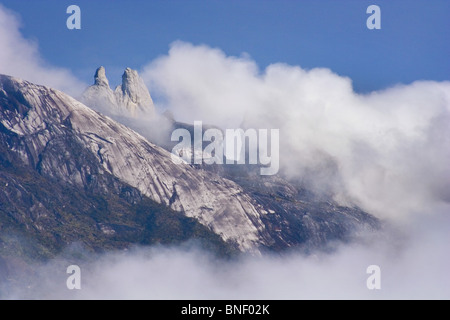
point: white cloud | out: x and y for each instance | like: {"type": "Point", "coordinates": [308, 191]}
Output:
{"type": "Point", "coordinates": [386, 151]}
{"type": "Point", "coordinates": [19, 57]}
{"type": "Point", "coordinates": [414, 265]}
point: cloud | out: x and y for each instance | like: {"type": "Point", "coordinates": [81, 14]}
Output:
{"type": "Point", "coordinates": [19, 57]}
{"type": "Point", "coordinates": [414, 265]}
{"type": "Point", "coordinates": [386, 151]}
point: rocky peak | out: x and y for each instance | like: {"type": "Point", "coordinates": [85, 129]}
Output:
{"type": "Point", "coordinates": [130, 99]}
{"type": "Point", "coordinates": [132, 82]}
{"type": "Point", "coordinates": [133, 93]}
{"type": "Point", "coordinates": [100, 77]}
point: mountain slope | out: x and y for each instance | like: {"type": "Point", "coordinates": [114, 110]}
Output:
{"type": "Point", "coordinates": [64, 140]}
{"type": "Point", "coordinates": [67, 148]}
{"type": "Point", "coordinates": [40, 217]}
{"type": "Point", "coordinates": [292, 215]}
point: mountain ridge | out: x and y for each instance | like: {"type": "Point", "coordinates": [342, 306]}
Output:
{"type": "Point", "coordinates": [59, 138]}
{"type": "Point", "coordinates": [50, 123]}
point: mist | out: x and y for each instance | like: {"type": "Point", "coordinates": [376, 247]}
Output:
{"type": "Point", "coordinates": [413, 261]}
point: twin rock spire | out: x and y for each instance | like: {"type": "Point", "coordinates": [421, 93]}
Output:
{"type": "Point", "coordinates": [130, 99]}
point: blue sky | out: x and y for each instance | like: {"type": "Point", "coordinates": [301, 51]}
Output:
{"type": "Point", "coordinates": [411, 45]}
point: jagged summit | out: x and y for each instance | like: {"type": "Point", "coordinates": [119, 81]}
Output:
{"type": "Point", "coordinates": [131, 81]}
{"type": "Point", "coordinates": [100, 77]}
{"type": "Point", "coordinates": [130, 99]}
{"type": "Point", "coordinates": [133, 92]}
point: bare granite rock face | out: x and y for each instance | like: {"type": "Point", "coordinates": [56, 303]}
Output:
{"type": "Point", "coordinates": [133, 93]}
{"type": "Point", "coordinates": [53, 132]}
{"type": "Point", "coordinates": [62, 139]}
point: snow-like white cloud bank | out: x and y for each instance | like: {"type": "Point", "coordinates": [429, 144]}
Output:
{"type": "Point", "coordinates": [20, 57]}
{"type": "Point", "coordinates": [413, 265]}
{"type": "Point", "coordinates": [387, 151]}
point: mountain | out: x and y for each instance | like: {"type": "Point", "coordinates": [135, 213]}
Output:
{"type": "Point", "coordinates": [70, 174]}
{"type": "Point", "coordinates": [54, 191]}
{"type": "Point", "coordinates": [291, 214]}
{"type": "Point", "coordinates": [130, 99]}
{"type": "Point", "coordinates": [64, 140]}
